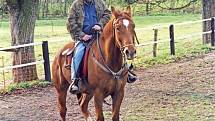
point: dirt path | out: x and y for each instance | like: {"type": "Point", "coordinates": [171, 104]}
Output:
{"type": "Point", "coordinates": [178, 91]}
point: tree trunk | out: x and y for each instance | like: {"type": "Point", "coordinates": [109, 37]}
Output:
{"type": "Point", "coordinates": [22, 24]}
{"type": "Point", "coordinates": [45, 8]}
{"type": "Point", "coordinates": [208, 11]}
{"type": "Point", "coordinates": [147, 8]}
{"type": "Point", "coordinates": [65, 7]}
{"type": "Point", "coordinates": [39, 9]}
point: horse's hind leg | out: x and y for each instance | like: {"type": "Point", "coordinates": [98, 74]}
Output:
{"type": "Point", "coordinates": [84, 101]}
{"type": "Point", "coordinates": [117, 100]}
{"type": "Point", "coordinates": [61, 86]}
{"type": "Point", "coordinates": [61, 95]}
{"type": "Point", "coordinates": [62, 103]}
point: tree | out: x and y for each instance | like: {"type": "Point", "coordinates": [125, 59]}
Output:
{"type": "Point", "coordinates": [45, 8]}
{"type": "Point", "coordinates": [22, 15]}
{"type": "Point", "coordinates": [208, 11]}
{"type": "Point", "coordinates": [65, 7]}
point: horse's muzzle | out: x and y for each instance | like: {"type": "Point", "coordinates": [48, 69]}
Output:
{"type": "Point", "coordinates": [130, 54]}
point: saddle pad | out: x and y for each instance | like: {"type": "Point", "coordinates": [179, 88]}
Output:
{"type": "Point", "coordinates": [85, 63]}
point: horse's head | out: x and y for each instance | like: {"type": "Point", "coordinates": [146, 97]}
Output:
{"type": "Point", "coordinates": [124, 33]}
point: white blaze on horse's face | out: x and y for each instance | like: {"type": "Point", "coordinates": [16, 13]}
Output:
{"type": "Point", "coordinates": [125, 23]}
{"type": "Point", "coordinates": [129, 51]}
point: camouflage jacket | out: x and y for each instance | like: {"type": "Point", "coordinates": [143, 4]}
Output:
{"type": "Point", "coordinates": [76, 17]}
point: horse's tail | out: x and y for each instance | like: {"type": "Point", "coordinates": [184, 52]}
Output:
{"type": "Point", "coordinates": [58, 65]}
{"type": "Point", "coordinates": [55, 69]}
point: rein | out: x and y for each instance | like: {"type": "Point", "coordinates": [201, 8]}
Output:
{"type": "Point", "coordinates": [119, 74]}
{"type": "Point", "coordinates": [116, 75]}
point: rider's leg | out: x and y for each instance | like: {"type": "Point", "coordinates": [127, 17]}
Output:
{"type": "Point", "coordinates": [76, 61]}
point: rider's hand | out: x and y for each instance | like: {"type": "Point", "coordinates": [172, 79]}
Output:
{"type": "Point", "coordinates": [86, 37]}
{"type": "Point", "coordinates": [97, 27]}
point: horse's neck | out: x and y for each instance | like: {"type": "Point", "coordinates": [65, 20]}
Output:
{"type": "Point", "coordinates": [112, 54]}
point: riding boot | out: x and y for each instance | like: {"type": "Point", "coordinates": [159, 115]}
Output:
{"type": "Point", "coordinates": [132, 77]}
{"type": "Point", "coordinates": [74, 87]}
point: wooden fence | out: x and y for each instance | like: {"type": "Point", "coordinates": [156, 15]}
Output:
{"type": "Point", "coordinates": [172, 38]}
{"type": "Point", "coordinates": [45, 61]}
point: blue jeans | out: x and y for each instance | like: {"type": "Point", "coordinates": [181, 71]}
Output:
{"type": "Point", "coordinates": [77, 59]}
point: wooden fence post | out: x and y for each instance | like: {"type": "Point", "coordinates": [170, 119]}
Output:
{"type": "Point", "coordinates": [3, 73]}
{"type": "Point", "coordinates": [155, 42]}
{"type": "Point", "coordinates": [172, 40]}
{"type": "Point", "coordinates": [212, 32]}
{"type": "Point", "coordinates": [46, 61]}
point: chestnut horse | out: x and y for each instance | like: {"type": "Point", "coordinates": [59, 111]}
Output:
{"type": "Point", "coordinates": [107, 67]}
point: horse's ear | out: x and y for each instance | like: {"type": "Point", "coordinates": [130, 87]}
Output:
{"type": "Point", "coordinates": [115, 13]}
{"type": "Point", "coordinates": [128, 10]}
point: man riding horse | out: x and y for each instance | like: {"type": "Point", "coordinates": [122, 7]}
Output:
{"type": "Point", "coordinates": [85, 16]}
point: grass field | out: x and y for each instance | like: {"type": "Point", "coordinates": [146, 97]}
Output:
{"type": "Point", "coordinates": [51, 30]}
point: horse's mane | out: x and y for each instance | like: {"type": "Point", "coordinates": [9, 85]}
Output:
{"type": "Point", "coordinates": [108, 27]}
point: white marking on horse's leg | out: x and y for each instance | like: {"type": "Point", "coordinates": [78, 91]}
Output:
{"type": "Point", "coordinates": [125, 22]}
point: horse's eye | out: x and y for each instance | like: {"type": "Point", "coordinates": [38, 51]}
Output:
{"type": "Point", "coordinates": [133, 25]}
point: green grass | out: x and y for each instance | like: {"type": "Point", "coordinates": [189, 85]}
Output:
{"type": "Point", "coordinates": [191, 107]}
{"type": "Point", "coordinates": [144, 21]}
{"type": "Point", "coordinates": [24, 85]}
{"type": "Point", "coordinates": [55, 29]}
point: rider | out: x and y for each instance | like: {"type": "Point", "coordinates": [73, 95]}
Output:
{"type": "Point", "coordinates": [84, 16]}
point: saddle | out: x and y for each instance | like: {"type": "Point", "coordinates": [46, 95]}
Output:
{"type": "Point", "coordinates": [68, 54]}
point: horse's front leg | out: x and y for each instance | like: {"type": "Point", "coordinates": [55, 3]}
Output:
{"type": "Point", "coordinates": [117, 100]}
{"type": "Point", "coordinates": [84, 101]}
{"type": "Point", "coordinates": [98, 101]}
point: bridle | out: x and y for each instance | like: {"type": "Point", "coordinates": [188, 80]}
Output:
{"type": "Point", "coordinates": [124, 68]}
{"type": "Point", "coordinates": [114, 35]}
